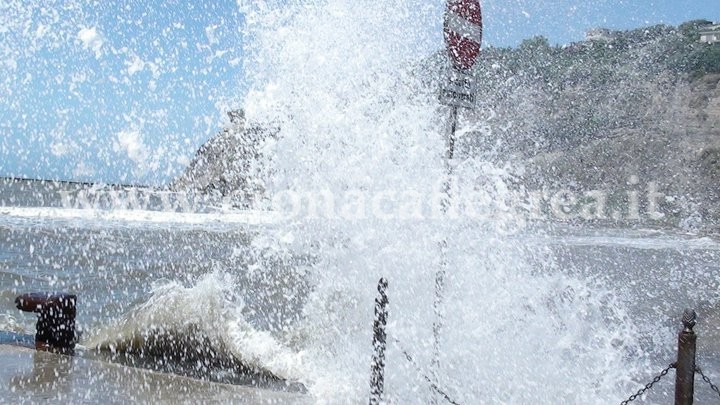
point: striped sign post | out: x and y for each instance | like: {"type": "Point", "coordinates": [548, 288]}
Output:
{"type": "Point", "coordinates": [463, 31]}
{"type": "Point", "coordinates": [463, 36]}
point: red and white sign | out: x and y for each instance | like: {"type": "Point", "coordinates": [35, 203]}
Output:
{"type": "Point", "coordinates": [463, 32]}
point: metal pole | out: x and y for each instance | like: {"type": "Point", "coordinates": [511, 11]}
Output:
{"type": "Point", "coordinates": [685, 372]}
{"type": "Point", "coordinates": [377, 369]}
{"type": "Point", "coordinates": [450, 145]}
{"type": "Point", "coordinates": [440, 275]}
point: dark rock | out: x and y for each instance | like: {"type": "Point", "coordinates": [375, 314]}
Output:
{"type": "Point", "coordinates": [228, 164]}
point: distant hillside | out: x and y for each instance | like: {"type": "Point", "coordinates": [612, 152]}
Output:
{"type": "Point", "coordinates": [624, 107]}
{"type": "Point", "coordinates": [555, 97]}
{"type": "Point", "coordinates": [640, 106]}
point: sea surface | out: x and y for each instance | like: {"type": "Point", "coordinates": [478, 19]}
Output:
{"type": "Point", "coordinates": [195, 294]}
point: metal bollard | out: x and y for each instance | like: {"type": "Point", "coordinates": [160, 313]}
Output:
{"type": "Point", "coordinates": [55, 328]}
{"type": "Point", "coordinates": [377, 376]}
{"type": "Point", "coordinates": [685, 371]}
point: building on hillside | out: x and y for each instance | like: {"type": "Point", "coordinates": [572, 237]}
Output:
{"type": "Point", "coordinates": [599, 34]}
{"type": "Point", "coordinates": [710, 34]}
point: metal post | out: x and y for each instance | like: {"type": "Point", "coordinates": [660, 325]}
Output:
{"type": "Point", "coordinates": [440, 275]}
{"type": "Point", "coordinates": [55, 327]}
{"type": "Point", "coordinates": [377, 369]}
{"type": "Point", "coordinates": [685, 372]}
{"type": "Point", "coordinates": [450, 145]}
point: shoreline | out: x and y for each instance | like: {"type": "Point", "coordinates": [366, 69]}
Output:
{"type": "Point", "coordinates": [37, 376]}
{"type": "Point", "coordinates": [103, 197]}
{"type": "Point", "coordinates": [14, 179]}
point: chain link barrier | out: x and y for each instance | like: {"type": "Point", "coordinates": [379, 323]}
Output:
{"type": "Point", "coordinates": [632, 398]}
{"type": "Point", "coordinates": [420, 371]}
{"type": "Point", "coordinates": [688, 322]}
{"type": "Point", "coordinates": [707, 380]}
{"type": "Point", "coordinates": [649, 385]}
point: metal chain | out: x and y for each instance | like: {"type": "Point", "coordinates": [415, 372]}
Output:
{"type": "Point", "coordinates": [707, 380]}
{"type": "Point", "coordinates": [420, 371]}
{"type": "Point", "coordinates": [649, 385]}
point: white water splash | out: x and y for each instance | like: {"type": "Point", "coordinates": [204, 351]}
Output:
{"type": "Point", "coordinates": [342, 80]}
{"type": "Point", "coordinates": [209, 309]}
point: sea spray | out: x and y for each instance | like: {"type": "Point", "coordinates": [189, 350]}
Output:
{"type": "Point", "coordinates": [340, 79]}
{"type": "Point", "coordinates": [8, 323]}
{"type": "Point", "coordinates": [203, 323]}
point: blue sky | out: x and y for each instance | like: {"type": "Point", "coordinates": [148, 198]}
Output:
{"type": "Point", "coordinates": [115, 91]}
{"type": "Point", "coordinates": [564, 21]}
{"type": "Point", "coordinates": [127, 91]}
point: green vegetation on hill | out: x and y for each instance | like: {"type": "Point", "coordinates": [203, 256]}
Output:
{"type": "Point", "coordinates": [563, 96]}
{"type": "Point", "coordinates": [653, 49]}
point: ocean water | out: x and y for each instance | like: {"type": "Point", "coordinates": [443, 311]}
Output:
{"type": "Point", "coordinates": [531, 312]}
{"type": "Point", "coordinates": [578, 314]}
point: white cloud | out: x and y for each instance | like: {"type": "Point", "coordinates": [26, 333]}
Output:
{"type": "Point", "coordinates": [83, 170]}
{"type": "Point", "coordinates": [60, 148]}
{"type": "Point", "coordinates": [210, 34]}
{"type": "Point", "coordinates": [183, 160]}
{"type": "Point", "coordinates": [10, 63]}
{"type": "Point", "coordinates": [131, 143]}
{"type": "Point", "coordinates": [135, 65]}
{"type": "Point", "coordinates": [91, 39]}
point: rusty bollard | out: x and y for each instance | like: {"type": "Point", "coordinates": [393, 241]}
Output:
{"type": "Point", "coordinates": [685, 371]}
{"type": "Point", "coordinates": [377, 377]}
{"type": "Point", "coordinates": [55, 328]}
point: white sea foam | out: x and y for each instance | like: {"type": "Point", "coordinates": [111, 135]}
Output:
{"type": "Point", "coordinates": [100, 217]}
{"type": "Point", "coordinates": [209, 310]}
{"type": "Point", "coordinates": [342, 81]}
{"type": "Point", "coordinates": [9, 324]}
